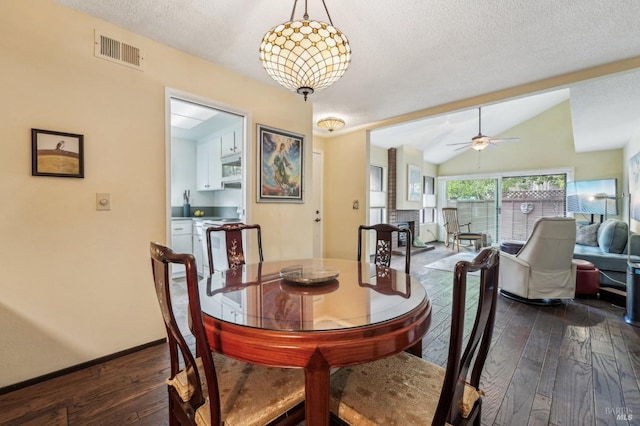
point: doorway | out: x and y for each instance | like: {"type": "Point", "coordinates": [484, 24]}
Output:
{"type": "Point", "coordinates": [205, 149]}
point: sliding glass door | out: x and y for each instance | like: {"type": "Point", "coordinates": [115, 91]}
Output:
{"type": "Point", "coordinates": [477, 205]}
{"type": "Point", "coordinates": [504, 208]}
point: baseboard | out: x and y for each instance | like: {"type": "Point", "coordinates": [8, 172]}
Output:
{"type": "Point", "coordinates": [614, 296]}
{"type": "Point", "coordinates": [78, 367]}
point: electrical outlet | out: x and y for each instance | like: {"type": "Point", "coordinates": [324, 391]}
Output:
{"type": "Point", "coordinates": [103, 201]}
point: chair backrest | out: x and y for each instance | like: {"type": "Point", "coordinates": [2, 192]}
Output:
{"type": "Point", "coordinates": [161, 257]}
{"type": "Point", "coordinates": [384, 234]}
{"type": "Point", "coordinates": [450, 216]}
{"type": "Point", "coordinates": [233, 243]}
{"type": "Point", "coordinates": [551, 243]}
{"type": "Point", "coordinates": [477, 348]}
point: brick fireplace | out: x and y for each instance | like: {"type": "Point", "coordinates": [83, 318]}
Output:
{"type": "Point", "coordinates": [399, 218]}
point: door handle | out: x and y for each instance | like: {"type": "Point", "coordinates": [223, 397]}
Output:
{"type": "Point", "coordinates": [317, 219]}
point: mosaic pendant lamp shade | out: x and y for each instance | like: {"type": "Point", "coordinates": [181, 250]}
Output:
{"type": "Point", "coordinates": [305, 56]}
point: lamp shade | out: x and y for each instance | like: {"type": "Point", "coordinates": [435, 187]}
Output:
{"type": "Point", "coordinates": [331, 123]}
{"type": "Point", "coordinates": [429, 201]}
{"type": "Point", "coordinates": [305, 56]}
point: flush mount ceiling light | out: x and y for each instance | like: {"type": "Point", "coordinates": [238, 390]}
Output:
{"type": "Point", "coordinates": [331, 123]}
{"type": "Point", "coordinates": [305, 56]}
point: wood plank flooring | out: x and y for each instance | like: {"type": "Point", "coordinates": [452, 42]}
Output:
{"type": "Point", "coordinates": [574, 364]}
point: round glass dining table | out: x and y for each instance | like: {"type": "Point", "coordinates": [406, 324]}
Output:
{"type": "Point", "coordinates": [315, 314]}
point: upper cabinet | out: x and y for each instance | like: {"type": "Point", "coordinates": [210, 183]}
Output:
{"type": "Point", "coordinates": [229, 144]}
{"type": "Point", "coordinates": [208, 165]}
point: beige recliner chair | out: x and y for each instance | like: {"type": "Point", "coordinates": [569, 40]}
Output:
{"type": "Point", "coordinates": [542, 271]}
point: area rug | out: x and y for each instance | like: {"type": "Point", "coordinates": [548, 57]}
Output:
{"type": "Point", "coordinates": [449, 263]}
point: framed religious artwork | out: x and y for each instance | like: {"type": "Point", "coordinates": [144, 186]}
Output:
{"type": "Point", "coordinates": [281, 165]}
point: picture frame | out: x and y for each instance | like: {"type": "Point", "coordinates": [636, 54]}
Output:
{"type": "Point", "coordinates": [57, 154]}
{"type": "Point", "coordinates": [281, 165]}
{"type": "Point", "coordinates": [414, 190]}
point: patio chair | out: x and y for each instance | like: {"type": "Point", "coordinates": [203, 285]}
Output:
{"type": "Point", "coordinates": [452, 229]}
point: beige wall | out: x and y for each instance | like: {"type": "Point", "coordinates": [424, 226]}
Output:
{"type": "Point", "coordinates": [76, 283]}
{"type": "Point", "coordinates": [345, 180]}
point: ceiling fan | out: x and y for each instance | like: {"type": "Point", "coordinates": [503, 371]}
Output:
{"type": "Point", "coordinates": [480, 141]}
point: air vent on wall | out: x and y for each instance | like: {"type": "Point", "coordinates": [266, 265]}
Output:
{"type": "Point", "coordinates": [117, 51]}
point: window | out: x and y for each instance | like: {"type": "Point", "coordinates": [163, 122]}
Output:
{"type": "Point", "coordinates": [377, 195]}
{"type": "Point", "coordinates": [506, 207]}
{"type": "Point", "coordinates": [376, 216]}
{"type": "Point", "coordinates": [376, 174]}
{"type": "Point", "coordinates": [427, 214]}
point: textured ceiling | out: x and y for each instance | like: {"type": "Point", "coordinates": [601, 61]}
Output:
{"type": "Point", "coordinates": [415, 54]}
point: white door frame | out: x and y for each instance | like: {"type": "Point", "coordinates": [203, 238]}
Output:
{"type": "Point", "coordinates": [318, 184]}
{"type": "Point", "coordinates": [247, 155]}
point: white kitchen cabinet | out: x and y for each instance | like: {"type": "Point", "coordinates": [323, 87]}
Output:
{"type": "Point", "coordinates": [208, 166]}
{"type": "Point", "coordinates": [198, 246]}
{"type": "Point", "coordinates": [181, 242]}
{"type": "Point", "coordinates": [229, 144]}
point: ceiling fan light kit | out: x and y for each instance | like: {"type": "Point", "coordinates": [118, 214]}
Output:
{"type": "Point", "coordinates": [305, 56]}
{"type": "Point", "coordinates": [331, 123]}
{"type": "Point", "coordinates": [480, 141]}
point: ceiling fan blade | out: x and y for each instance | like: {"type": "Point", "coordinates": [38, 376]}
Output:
{"type": "Point", "coordinates": [459, 143]}
{"type": "Point", "coordinates": [505, 140]}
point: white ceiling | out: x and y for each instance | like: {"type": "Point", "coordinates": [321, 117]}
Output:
{"type": "Point", "coordinates": [415, 54]}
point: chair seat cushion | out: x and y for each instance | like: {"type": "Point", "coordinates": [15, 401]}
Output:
{"type": "Point", "coordinates": [400, 390]}
{"type": "Point", "coordinates": [249, 394]}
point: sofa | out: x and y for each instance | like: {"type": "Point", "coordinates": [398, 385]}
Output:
{"type": "Point", "coordinates": [606, 245]}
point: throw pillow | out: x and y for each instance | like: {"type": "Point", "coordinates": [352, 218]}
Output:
{"type": "Point", "coordinates": [587, 235]}
{"type": "Point", "coordinates": [612, 236]}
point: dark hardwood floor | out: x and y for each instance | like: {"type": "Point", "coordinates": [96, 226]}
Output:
{"type": "Point", "coordinates": [574, 364]}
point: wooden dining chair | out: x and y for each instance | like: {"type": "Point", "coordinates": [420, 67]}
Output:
{"type": "Point", "coordinates": [384, 243]}
{"type": "Point", "coordinates": [404, 389]}
{"type": "Point", "coordinates": [233, 243]}
{"type": "Point", "coordinates": [207, 388]}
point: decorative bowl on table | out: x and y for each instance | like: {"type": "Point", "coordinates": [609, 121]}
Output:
{"type": "Point", "coordinates": [308, 274]}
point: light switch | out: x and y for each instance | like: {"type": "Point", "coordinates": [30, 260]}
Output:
{"type": "Point", "coordinates": [103, 201]}
{"type": "Point", "coordinates": [356, 204]}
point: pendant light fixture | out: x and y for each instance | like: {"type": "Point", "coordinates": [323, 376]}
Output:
{"type": "Point", "coordinates": [305, 56]}
{"type": "Point", "coordinates": [331, 123]}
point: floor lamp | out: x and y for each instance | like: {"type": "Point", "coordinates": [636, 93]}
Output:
{"type": "Point", "coordinates": [632, 314]}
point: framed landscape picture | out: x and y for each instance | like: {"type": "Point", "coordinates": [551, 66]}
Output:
{"type": "Point", "coordinates": [57, 154]}
{"type": "Point", "coordinates": [281, 165]}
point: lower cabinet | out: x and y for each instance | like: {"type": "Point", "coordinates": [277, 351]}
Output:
{"type": "Point", "coordinates": [199, 248]}
{"type": "Point", "coordinates": [181, 242]}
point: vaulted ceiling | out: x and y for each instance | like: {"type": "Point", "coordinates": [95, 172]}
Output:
{"type": "Point", "coordinates": [413, 55]}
